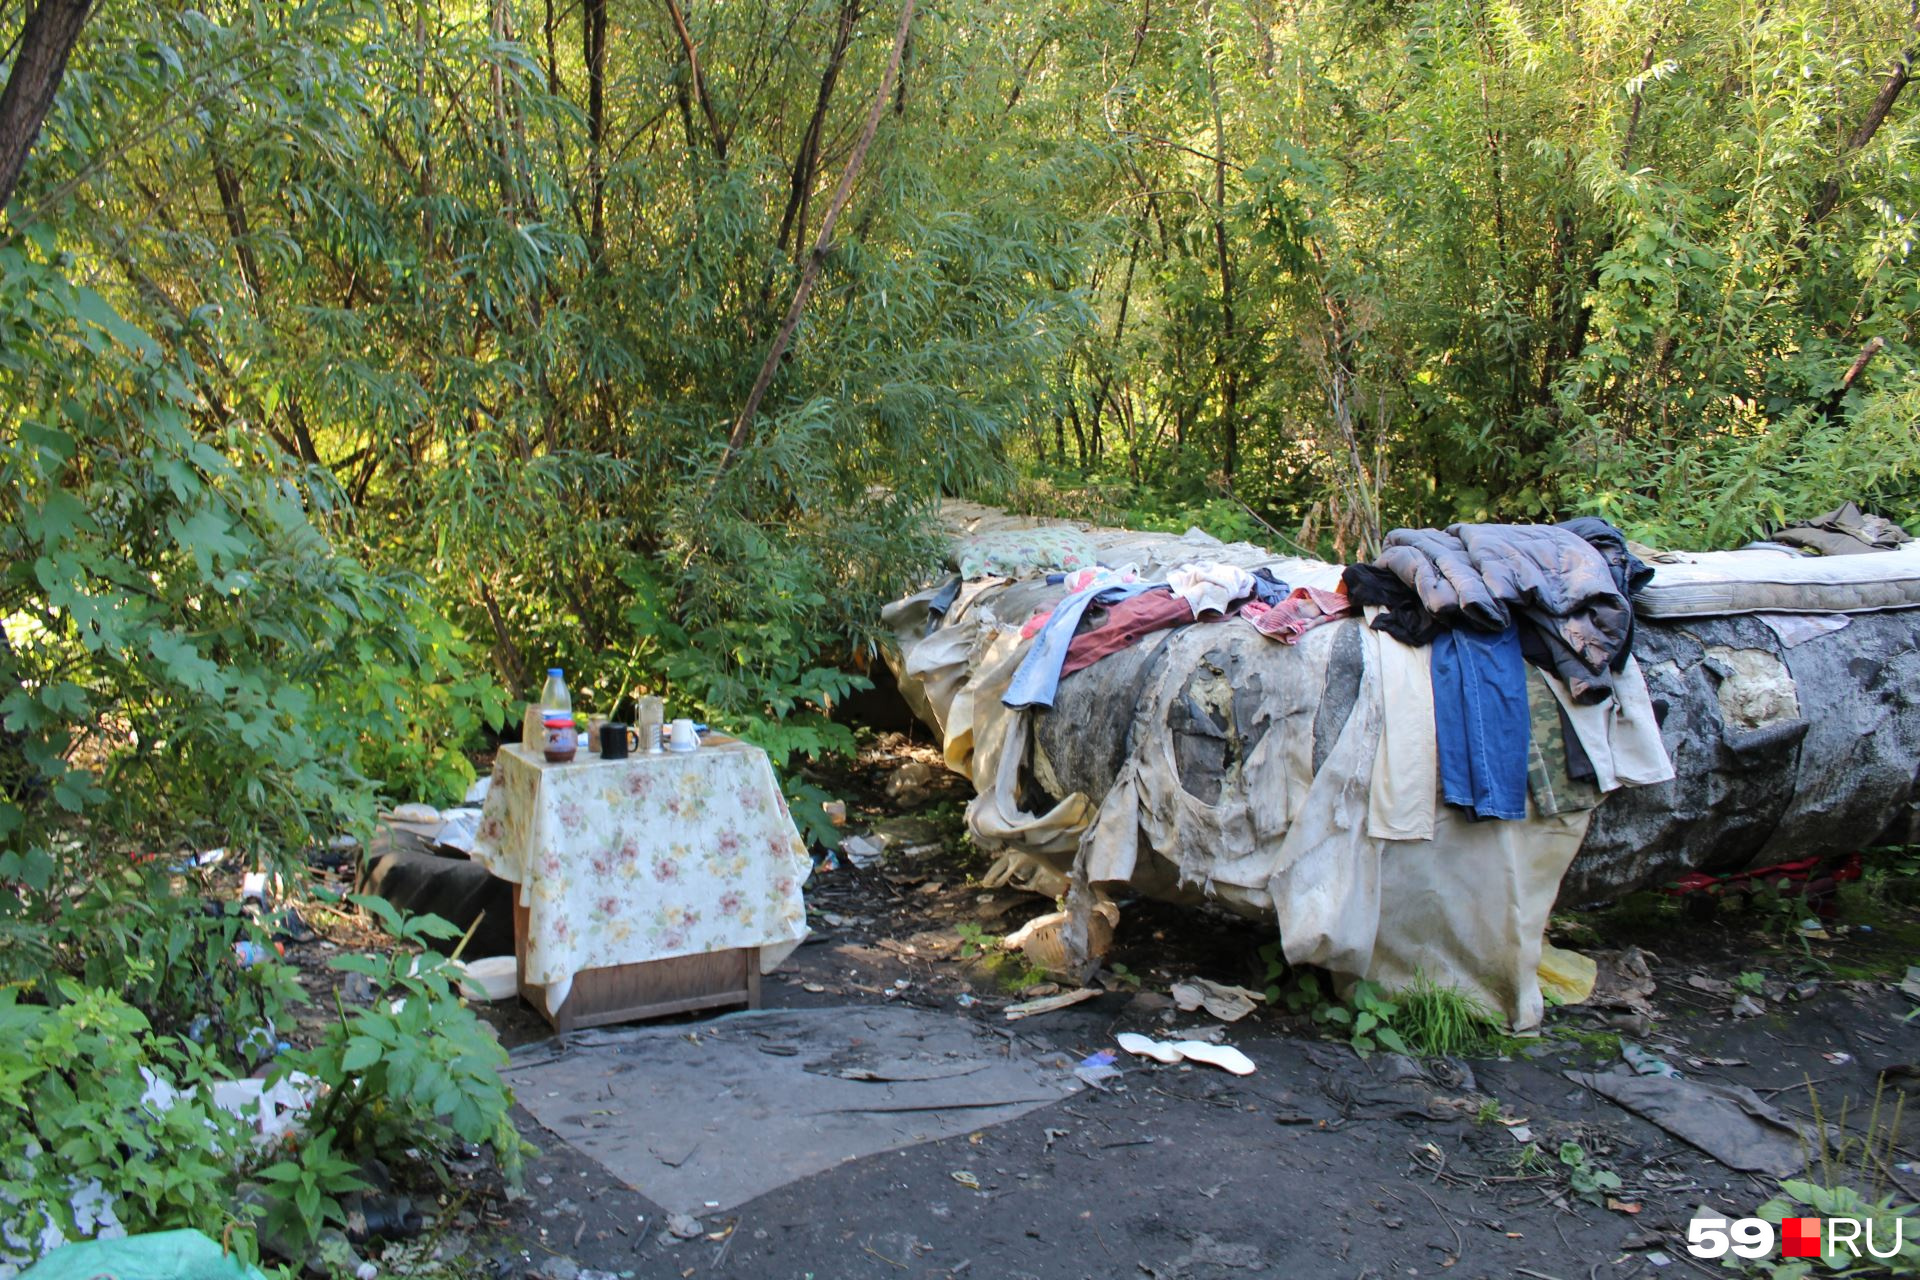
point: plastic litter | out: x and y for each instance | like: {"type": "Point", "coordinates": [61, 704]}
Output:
{"type": "Point", "coordinates": [1028, 1008]}
{"type": "Point", "coordinates": [494, 978]}
{"type": "Point", "coordinates": [159, 1255]}
{"type": "Point", "coordinates": [1096, 1069]}
{"type": "Point", "coordinates": [1647, 1063]}
{"type": "Point", "coordinates": [1224, 1056]}
{"type": "Point", "coordinates": [1229, 1004]}
{"type": "Point", "coordinates": [250, 953]}
{"type": "Point", "coordinates": [864, 851]}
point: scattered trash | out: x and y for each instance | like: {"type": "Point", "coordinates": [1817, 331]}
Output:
{"type": "Point", "coordinates": [1812, 928]}
{"type": "Point", "coordinates": [1097, 1068]}
{"type": "Point", "coordinates": [1622, 1206]}
{"type": "Point", "coordinates": [477, 793]}
{"type": "Point", "coordinates": [253, 891]}
{"type": "Point", "coordinates": [1911, 983]}
{"type": "Point", "coordinates": [1522, 1134]}
{"type": "Point", "coordinates": [1647, 1063]}
{"type": "Point", "coordinates": [966, 1179]}
{"type": "Point", "coordinates": [910, 782]}
{"type": "Point", "coordinates": [1746, 1006]}
{"type": "Point", "coordinates": [1229, 1004]}
{"type": "Point", "coordinates": [250, 953]}
{"type": "Point", "coordinates": [965, 1001]}
{"type": "Point", "coordinates": [1224, 1056]}
{"type": "Point", "coordinates": [1028, 1008]}
{"type": "Point", "coordinates": [1623, 980]}
{"type": "Point", "coordinates": [290, 926]}
{"type": "Point", "coordinates": [1838, 1059]}
{"type": "Point", "coordinates": [1565, 975]}
{"type": "Point", "coordinates": [836, 811]}
{"type": "Point", "coordinates": [1043, 939]}
{"type": "Point", "coordinates": [417, 814]}
{"type": "Point", "coordinates": [864, 851]}
{"type": "Point", "coordinates": [684, 1226]}
{"type": "Point", "coordinates": [491, 978]}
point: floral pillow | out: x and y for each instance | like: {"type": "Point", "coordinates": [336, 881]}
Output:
{"type": "Point", "coordinates": [1021, 553]}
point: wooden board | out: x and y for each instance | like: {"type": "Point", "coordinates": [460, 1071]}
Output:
{"type": "Point", "coordinates": [652, 989]}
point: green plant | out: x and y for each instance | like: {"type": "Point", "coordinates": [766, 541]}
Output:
{"type": "Point", "coordinates": [1589, 1180]}
{"type": "Point", "coordinates": [90, 1094]}
{"type": "Point", "coordinates": [1424, 1018]}
{"type": "Point", "coordinates": [1753, 982]}
{"type": "Point", "coordinates": [975, 940]}
{"type": "Point", "coordinates": [130, 931]}
{"type": "Point", "coordinates": [1443, 1020]}
{"type": "Point", "coordinates": [1881, 1223]}
{"type": "Point", "coordinates": [303, 1193]}
{"type": "Point", "coordinates": [416, 1070]}
{"type": "Point", "coordinates": [1365, 1021]}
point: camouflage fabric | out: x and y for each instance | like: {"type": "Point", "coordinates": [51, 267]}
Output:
{"type": "Point", "coordinates": [1554, 789]}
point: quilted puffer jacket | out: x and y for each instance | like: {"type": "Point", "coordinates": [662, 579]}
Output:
{"type": "Point", "coordinates": [1487, 576]}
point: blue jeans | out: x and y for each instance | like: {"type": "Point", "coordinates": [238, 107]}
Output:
{"type": "Point", "coordinates": [1480, 721]}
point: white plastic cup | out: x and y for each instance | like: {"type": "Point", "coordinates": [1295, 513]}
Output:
{"type": "Point", "coordinates": [684, 737]}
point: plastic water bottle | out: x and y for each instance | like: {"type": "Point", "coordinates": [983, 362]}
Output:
{"type": "Point", "coordinates": [556, 718]}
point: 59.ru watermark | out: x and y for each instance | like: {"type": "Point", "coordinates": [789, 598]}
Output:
{"type": "Point", "coordinates": [1795, 1237]}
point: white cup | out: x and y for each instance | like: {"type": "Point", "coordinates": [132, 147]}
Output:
{"type": "Point", "coordinates": [684, 738]}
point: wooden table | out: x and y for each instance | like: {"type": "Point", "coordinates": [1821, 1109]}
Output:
{"type": "Point", "coordinates": [645, 886]}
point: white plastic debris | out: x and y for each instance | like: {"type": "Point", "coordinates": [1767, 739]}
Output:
{"type": "Point", "coordinates": [492, 978]}
{"type": "Point", "coordinates": [1224, 1056]}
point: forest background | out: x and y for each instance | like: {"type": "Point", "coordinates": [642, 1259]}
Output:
{"type": "Point", "coordinates": [360, 360]}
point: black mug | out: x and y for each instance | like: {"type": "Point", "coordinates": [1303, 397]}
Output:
{"type": "Point", "coordinates": [617, 740]}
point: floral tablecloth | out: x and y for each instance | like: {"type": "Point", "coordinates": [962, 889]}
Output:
{"type": "Point", "coordinates": [654, 856]}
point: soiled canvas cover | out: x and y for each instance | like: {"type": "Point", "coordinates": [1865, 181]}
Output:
{"type": "Point", "coordinates": [1210, 763]}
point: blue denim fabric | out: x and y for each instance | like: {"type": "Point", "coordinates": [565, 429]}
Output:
{"type": "Point", "coordinates": [1480, 720]}
{"type": "Point", "coordinates": [1038, 678]}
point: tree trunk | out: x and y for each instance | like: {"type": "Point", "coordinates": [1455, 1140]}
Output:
{"type": "Point", "coordinates": [593, 17]}
{"type": "Point", "coordinates": [46, 42]}
{"type": "Point", "coordinates": [1876, 116]}
{"type": "Point", "coordinates": [806, 165]}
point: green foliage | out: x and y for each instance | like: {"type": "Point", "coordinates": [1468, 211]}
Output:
{"type": "Point", "coordinates": [1425, 1019]}
{"type": "Point", "coordinates": [975, 940]}
{"type": "Point", "coordinates": [414, 1070]}
{"type": "Point", "coordinates": [1883, 1216]}
{"type": "Point", "coordinates": [303, 1193]}
{"type": "Point", "coordinates": [74, 1084]}
{"type": "Point", "coordinates": [1589, 1181]}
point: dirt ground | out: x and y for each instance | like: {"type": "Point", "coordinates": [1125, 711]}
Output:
{"type": "Point", "coordinates": [1318, 1164]}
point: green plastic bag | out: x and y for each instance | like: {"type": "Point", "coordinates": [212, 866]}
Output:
{"type": "Point", "coordinates": [159, 1255]}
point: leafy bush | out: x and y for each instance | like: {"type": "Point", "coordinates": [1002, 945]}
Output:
{"type": "Point", "coordinates": [416, 1069]}
{"type": "Point", "coordinates": [75, 1086]}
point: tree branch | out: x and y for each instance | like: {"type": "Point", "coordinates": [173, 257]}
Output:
{"type": "Point", "coordinates": [1876, 115]}
{"type": "Point", "coordinates": [743, 425]}
{"type": "Point", "coordinates": [699, 80]}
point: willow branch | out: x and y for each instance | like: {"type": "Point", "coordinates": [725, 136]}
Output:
{"type": "Point", "coordinates": [743, 425]}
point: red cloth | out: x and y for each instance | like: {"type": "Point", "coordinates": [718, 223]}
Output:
{"type": "Point", "coordinates": [1126, 622]}
{"type": "Point", "coordinates": [1298, 614]}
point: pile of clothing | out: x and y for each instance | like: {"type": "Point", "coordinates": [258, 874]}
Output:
{"type": "Point", "coordinates": [1462, 612]}
{"type": "Point", "coordinates": [1489, 599]}
{"type": "Point", "coordinates": [1110, 609]}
